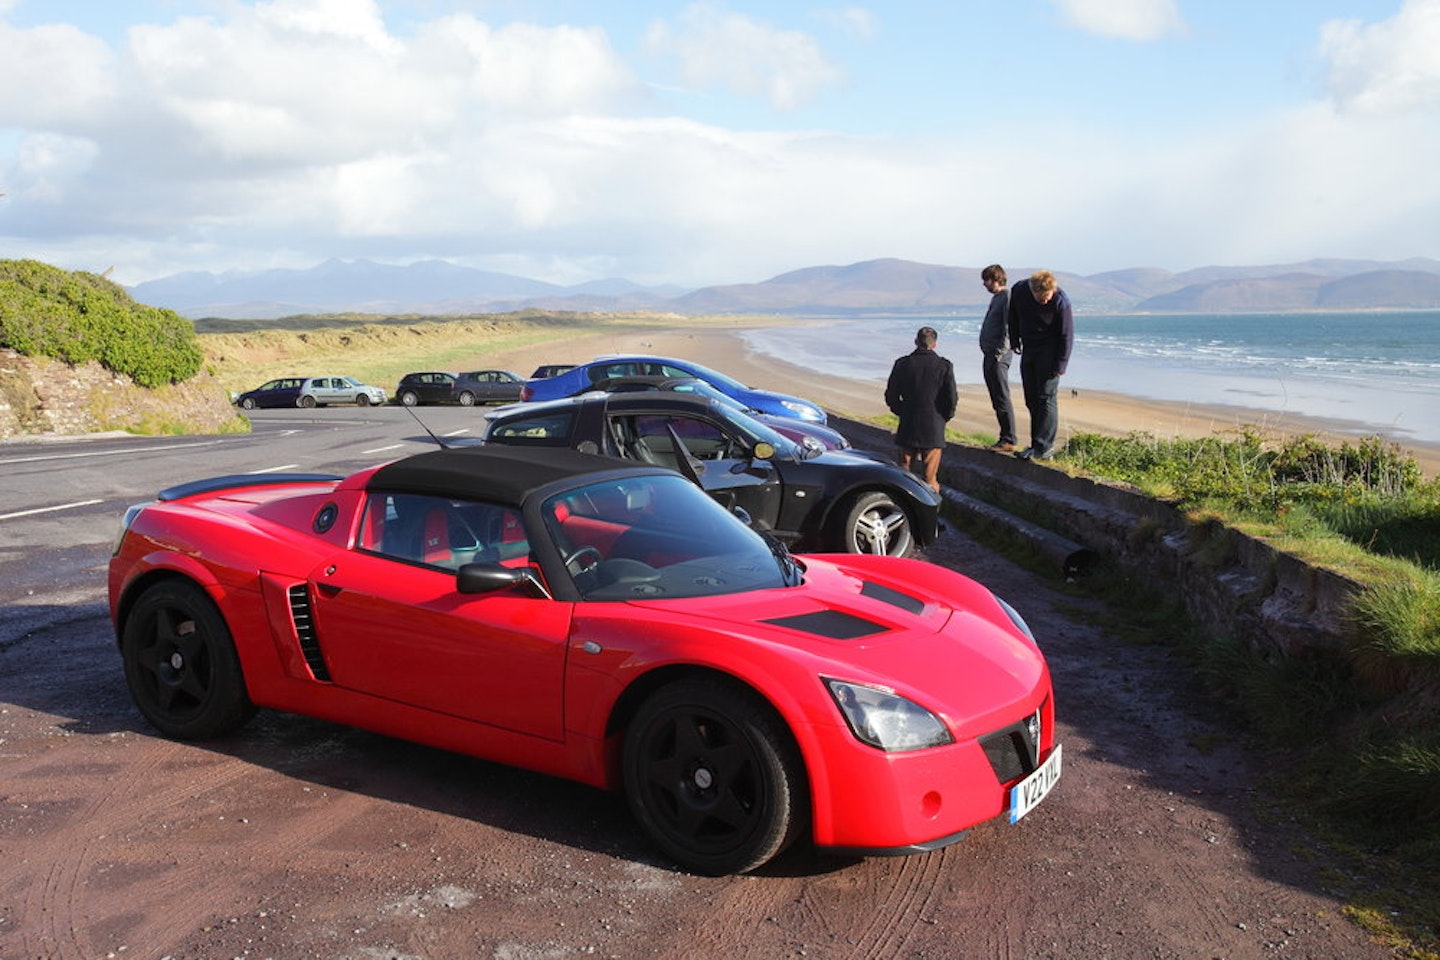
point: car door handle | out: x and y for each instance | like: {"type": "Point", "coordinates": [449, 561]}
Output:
{"type": "Point", "coordinates": [329, 589]}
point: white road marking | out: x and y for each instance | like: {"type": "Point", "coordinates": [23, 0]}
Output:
{"type": "Point", "coordinates": [456, 433]}
{"type": "Point", "coordinates": [286, 466]}
{"type": "Point", "coordinates": [63, 506]}
{"type": "Point", "coordinates": [393, 446]}
{"type": "Point", "coordinates": [128, 452]}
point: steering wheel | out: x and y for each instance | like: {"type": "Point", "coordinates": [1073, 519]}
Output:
{"type": "Point", "coordinates": [574, 558]}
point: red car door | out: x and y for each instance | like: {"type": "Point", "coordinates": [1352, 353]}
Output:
{"type": "Point", "coordinates": [402, 632]}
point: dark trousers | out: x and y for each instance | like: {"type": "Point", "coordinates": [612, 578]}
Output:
{"type": "Point", "coordinates": [1041, 397]}
{"type": "Point", "coordinates": [997, 381]}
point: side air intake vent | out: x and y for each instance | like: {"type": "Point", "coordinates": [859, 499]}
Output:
{"type": "Point", "coordinates": [304, 621]}
{"type": "Point", "coordinates": [1014, 751]}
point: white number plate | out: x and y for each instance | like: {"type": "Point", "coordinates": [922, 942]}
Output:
{"type": "Point", "coordinates": [1028, 793]}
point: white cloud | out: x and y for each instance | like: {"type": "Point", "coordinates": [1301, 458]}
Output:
{"type": "Point", "coordinates": [1140, 20]}
{"type": "Point", "coordinates": [52, 75]}
{"type": "Point", "coordinates": [857, 22]}
{"type": "Point", "coordinates": [716, 48]}
{"type": "Point", "coordinates": [1387, 67]}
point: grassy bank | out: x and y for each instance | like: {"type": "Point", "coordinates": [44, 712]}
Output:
{"type": "Point", "coordinates": [1359, 728]}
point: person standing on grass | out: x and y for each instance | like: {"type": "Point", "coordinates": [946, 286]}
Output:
{"type": "Point", "coordinates": [1042, 331]}
{"type": "Point", "coordinates": [921, 392]}
{"type": "Point", "coordinates": [996, 353]}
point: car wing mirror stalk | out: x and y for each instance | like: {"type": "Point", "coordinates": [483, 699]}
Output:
{"type": "Point", "coordinates": [684, 461]}
{"type": "Point", "coordinates": [489, 577]}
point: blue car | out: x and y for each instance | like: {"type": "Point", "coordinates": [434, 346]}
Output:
{"type": "Point", "coordinates": [587, 375]}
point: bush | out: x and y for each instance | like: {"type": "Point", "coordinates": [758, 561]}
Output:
{"type": "Point", "coordinates": [77, 317]}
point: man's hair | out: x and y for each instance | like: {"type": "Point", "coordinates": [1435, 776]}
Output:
{"type": "Point", "coordinates": [1042, 280]}
{"type": "Point", "coordinates": [993, 274]}
{"type": "Point", "coordinates": [926, 337]}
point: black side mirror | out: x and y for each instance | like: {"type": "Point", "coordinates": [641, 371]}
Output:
{"type": "Point", "coordinates": [488, 577]}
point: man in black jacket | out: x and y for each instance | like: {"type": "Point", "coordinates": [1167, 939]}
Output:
{"type": "Point", "coordinates": [921, 391]}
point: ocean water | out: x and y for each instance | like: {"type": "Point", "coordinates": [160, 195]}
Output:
{"type": "Point", "coordinates": [1374, 373]}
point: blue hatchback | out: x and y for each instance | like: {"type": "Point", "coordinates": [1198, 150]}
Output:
{"type": "Point", "coordinates": [589, 374]}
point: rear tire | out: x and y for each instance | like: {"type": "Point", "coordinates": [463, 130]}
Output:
{"type": "Point", "coordinates": [467, 399]}
{"type": "Point", "coordinates": [180, 664]}
{"type": "Point", "coordinates": [713, 776]}
{"type": "Point", "coordinates": [307, 402]}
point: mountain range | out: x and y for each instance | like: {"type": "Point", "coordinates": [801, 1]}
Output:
{"type": "Point", "coordinates": [886, 286]}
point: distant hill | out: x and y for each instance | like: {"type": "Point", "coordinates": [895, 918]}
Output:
{"type": "Point", "coordinates": [887, 286]}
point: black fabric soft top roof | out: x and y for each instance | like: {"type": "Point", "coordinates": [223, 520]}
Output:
{"type": "Point", "coordinates": [498, 474]}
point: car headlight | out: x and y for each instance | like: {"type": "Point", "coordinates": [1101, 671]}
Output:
{"type": "Point", "coordinates": [1016, 619]}
{"type": "Point", "coordinates": [886, 720]}
{"type": "Point", "coordinates": [802, 410]}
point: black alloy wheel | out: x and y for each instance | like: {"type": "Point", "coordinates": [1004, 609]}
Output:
{"type": "Point", "coordinates": [180, 663]}
{"type": "Point", "coordinates": [713, 776]}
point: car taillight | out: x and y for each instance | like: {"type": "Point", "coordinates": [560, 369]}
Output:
{"type": "Point", "coordinates": [526, 393]}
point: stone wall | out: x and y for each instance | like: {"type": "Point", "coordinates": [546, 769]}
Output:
{"type": "Point", "coordinates": [39, 396]}
{"type": "Point", "coordinates": [1232, 584]}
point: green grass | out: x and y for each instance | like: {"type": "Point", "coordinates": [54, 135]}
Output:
{"type": "Point", "coordinates": [1358, 729]}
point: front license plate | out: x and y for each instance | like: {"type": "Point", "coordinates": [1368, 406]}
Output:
{"type": "Point", "coordinates": [1028, 793]}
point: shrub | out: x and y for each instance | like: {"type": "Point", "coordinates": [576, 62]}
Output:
{"type": "Point", "coordinates": [77, 317]}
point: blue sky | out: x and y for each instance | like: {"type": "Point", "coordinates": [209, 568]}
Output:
{"type": "Point", "coordinates": [692, 143]}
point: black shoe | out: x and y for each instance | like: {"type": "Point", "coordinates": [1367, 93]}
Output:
{"type": "Point", "coordinates": [1025, 454]}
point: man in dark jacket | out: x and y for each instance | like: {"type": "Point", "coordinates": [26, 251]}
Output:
{"type": "Point", "coordinates": [1042, 330]}
{"type": "Point", "coordinates": [995, 349]}
{"type": "Point", "coordinates": [922, 393]}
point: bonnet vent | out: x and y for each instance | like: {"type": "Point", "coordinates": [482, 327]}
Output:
{"type": "Point", "coordinates": [831, 624]}
{"type": "Point", "coordinates": [893, 597]}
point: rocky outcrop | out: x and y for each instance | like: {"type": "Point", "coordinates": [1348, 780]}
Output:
{"type": "Point", "coordinates": [41, 396]}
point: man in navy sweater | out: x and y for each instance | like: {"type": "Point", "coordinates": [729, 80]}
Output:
{"type": "Point", "coordinates": [1042, 328]}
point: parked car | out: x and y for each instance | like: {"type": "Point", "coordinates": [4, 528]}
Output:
{"type": "Point", "coordinates": [427, 386]}
{"type": "Point", "coordinates": [488, 386]}
{"type": "Point", "coordinates": [323, 391]}
{"type": "Point", "coordinates": [284, 392]}
{"type": "Point", "coordinates": [608, 368]}
{"type": "Point", "coordinates": [468, 389]}
{"type": "Point", "coordinates": [801, 431]}
{"type": "Point", "coordinates": [596, 620]}
{"type": "Point", "coordinates": [812, 499]}
{"type": "Point", "coordinates": [548, 370]}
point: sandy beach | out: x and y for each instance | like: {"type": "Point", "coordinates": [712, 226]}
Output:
{"type": "Point", "coordinates": [720, 344]}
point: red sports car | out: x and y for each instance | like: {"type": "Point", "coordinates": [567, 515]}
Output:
{"type": "Point", "coordinates": [597, 620]}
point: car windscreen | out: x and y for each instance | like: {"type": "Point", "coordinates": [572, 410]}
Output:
{"type": "Point", "coordinates": [656, 536]}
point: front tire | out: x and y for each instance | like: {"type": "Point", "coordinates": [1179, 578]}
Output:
{"type": "Point", "coordinates": [713, 777]}
{"type": "Point", "coordinates": [362, 400]}
{"type": "Point", "coordinates": [409, 398]}
{"type": "Point", "coordinates": [181, 666]}
{"type": "Point", "coordinates": [876, 524]}
{"type": "Point", "coordinates": [248, 403]}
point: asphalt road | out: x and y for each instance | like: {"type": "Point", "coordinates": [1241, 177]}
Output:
{"type": "Point", "coordinates": [299, 838]}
